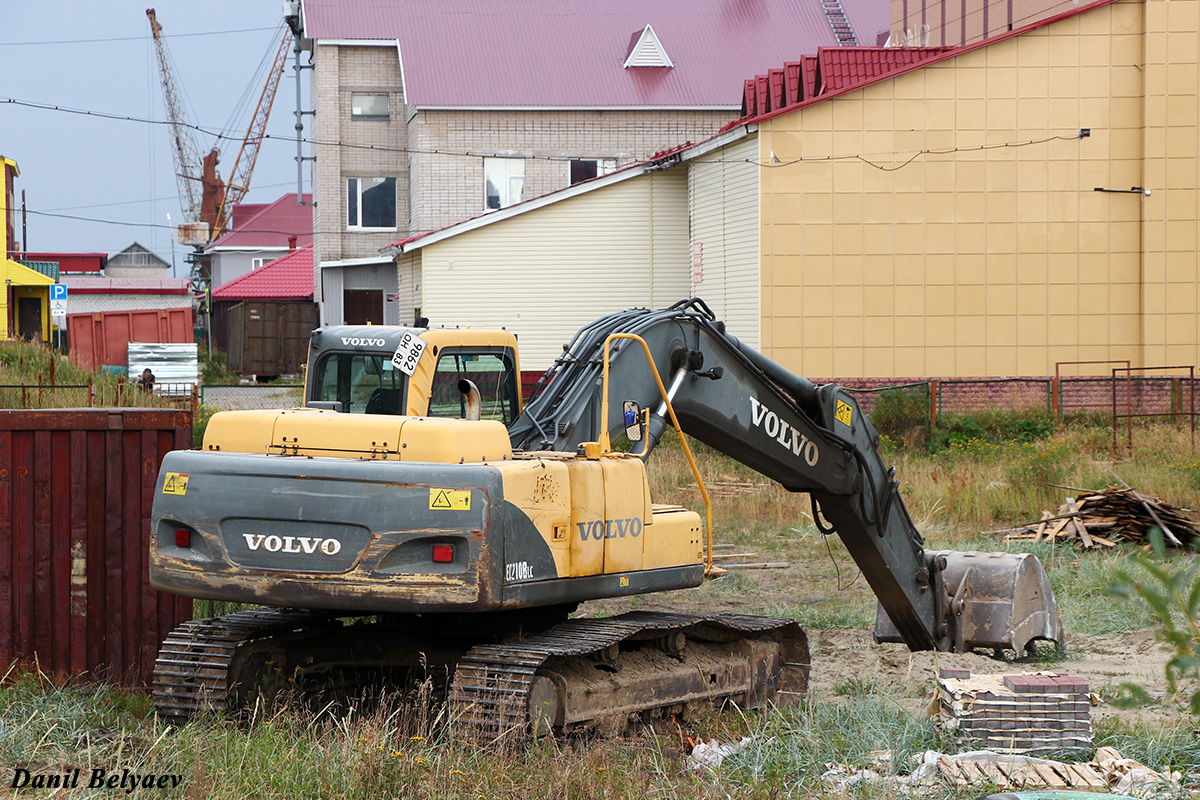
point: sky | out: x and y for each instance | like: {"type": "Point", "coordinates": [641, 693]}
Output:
{"type": "Point", "coordinates": [95, 185]}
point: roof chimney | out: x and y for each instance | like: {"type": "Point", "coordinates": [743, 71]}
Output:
{"type": "Point", "coordinates": [292, 242]}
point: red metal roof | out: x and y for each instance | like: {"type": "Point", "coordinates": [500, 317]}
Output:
{"type": "Point", "coordinates": [71, 262]}
{"type": "Point", "coordinates": [257, 225]}
{"type": "Point", "coordinates": [102, 284]}
{"type": "Point", "coordinates": [569, 53]}
{"type": "Point", "coordinates": [847, 67]}
{"type": "Point", "coordinates": [287, 278]}
{"type": "Point", "coordinates": [832, 69]}
{"type": "Point", "coordinates": [854, 68]}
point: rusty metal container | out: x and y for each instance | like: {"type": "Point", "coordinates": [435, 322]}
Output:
{"type": "Point", "coordinates": [102, 338]}
{"type": "Point", "coordinates": [76, 486]}
{"type": "Point", "coordinates": [268, 338]}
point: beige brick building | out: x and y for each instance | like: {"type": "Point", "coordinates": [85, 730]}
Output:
{"type": "Point", "coordinates": [420, 123]}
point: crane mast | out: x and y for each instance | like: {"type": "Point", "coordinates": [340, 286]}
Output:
{"type": "Point", "coordinates": [243, 165]}
{"type": "Point", "coordinates": [204, 197]}
{"type": "Point", "coordinates": [188, 165]}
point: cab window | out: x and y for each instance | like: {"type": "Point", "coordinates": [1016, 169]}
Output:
{"type": "Point", "coordinates": [364, 384]}
{"type": "Point", "coordinates": [492, 373]}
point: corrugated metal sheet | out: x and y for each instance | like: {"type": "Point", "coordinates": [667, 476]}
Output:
{"type": "Point", "coordinates": [570, 52]}
{"type": "Point", "coordinates": [723, 192]}
{"type": "Point", "coordinates": [545, 274]}
{"type": "Point", "coordinates": [175, 366]}
{"type": "Point", "coordinates": [102, 338]}
{"type": "Point", "coordinates": [76, 488]}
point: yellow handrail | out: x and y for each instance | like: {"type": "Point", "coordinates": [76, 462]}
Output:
{"type": "Point", "coordinates": [606, 443]}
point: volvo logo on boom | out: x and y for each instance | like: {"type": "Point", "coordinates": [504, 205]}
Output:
{"type": "Point", "coordinates": [783, 433]}
{"type": "Point", "coordinates": [354, 341]}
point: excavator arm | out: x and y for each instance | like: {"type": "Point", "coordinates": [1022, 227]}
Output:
{"type": "Point", "coordinates": [808, 438]}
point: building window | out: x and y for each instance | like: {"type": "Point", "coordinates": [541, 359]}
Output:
{"type": "Point", "coordinates": [371, 203]}
{"type": "Point", "coordinates": [369, 106]}
{"type": "Point", "coordinates": [255, 263]}
{"type": "Point", "coordinates": [503, 182]}
{"type": "Point", "coordinates": [583, 169]}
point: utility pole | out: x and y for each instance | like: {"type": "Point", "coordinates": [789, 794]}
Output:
{"type": "Point", "coordinates": [24, 227]}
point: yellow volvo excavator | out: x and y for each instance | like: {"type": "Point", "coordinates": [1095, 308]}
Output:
{"type": "Point", "coordinates": [413, 518]}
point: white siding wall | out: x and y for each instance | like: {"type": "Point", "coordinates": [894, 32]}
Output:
{"type": "Point", "coordinates": [724, 200]}
{"type": "Point", "coordinates": [545, 273]}
{"type": "Point", "coordinates": [408, 278]}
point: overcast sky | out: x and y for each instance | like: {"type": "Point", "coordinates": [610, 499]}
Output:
{"type": "Point", "coordinates": [99, 57]}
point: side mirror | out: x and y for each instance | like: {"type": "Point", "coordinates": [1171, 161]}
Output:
{"type": "Point", "coordinates": [633, 421]}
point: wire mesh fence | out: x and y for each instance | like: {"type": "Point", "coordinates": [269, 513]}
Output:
{"type": "Point", "coordinates": [98, 395]}
{"type": "Point", "coordinates": [251, 397]}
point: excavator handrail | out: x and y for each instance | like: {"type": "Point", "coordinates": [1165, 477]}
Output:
{"type": "Point", "coordinates": [606, 442]}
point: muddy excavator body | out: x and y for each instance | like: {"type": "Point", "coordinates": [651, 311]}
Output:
{"type": "Point", "coordinates": [414, 514]}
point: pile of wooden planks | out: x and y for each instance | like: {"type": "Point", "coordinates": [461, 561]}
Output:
{"type": "Point", "coordinates": [1105, 518]}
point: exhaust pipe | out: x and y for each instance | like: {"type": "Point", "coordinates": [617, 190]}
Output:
{"type": "Point", "coordinates": [472, 397]}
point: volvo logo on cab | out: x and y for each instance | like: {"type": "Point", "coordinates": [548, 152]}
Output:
{"type": "Point", "coordinates": [783, 433]}
{"type": "Point", "coordinates": [354, 341]}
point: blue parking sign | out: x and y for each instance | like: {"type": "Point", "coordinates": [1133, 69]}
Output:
{"type": "Point", "coordinates": [58, 291]}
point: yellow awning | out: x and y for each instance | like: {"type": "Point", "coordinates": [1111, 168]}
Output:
{"type": "Point", "coordinates": [21, 275]}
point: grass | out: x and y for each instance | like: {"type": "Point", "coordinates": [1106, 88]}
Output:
{"type": "Point", "coordinates": [53, 727]}
{"type": "Point", "coordinates": [52, 380]}
{"type": "Point", "coordinates": [976, 483]}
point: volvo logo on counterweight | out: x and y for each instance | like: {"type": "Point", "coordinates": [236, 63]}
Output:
{"type": "Point", "coordinates": [783, 433]}
{"type": "Point", "coordinates": [292, 544]}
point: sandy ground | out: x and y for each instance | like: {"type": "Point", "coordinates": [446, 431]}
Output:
{"type": "Point", "coordinates": [840, 656]}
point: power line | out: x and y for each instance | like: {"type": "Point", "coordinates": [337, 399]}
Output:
{"type": "Point", "coordinates": [133, 38]}
{"type": "Point", "coordinates": [478, 154]}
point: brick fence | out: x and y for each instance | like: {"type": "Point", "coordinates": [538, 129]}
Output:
{"type": "Point", "coordinates": [1165, 396]}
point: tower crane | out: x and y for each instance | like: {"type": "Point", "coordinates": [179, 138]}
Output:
{"type": "Point", "coordinates": [205, 198]}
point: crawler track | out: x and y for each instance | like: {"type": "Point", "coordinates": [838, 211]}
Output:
{"type": "Point", "coordinates": [582, 673]}
{"type": "Point", "coordinates": [571, 675]}
{"type": "Point", "coordinates": [195, 662]}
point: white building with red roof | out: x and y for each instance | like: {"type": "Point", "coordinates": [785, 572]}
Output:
{"type": "Point", "coordinates": [260, 233]}
{"type": "Point", "coordinates": [262, 320]}
{"type": "Point", "coordinates": [429, 112]}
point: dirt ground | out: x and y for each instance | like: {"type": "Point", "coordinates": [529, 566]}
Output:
{"type": "Point", "coordinates": [808, 589]}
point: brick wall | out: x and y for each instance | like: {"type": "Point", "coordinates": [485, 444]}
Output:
{"type": "Point", "coordinates": [1147, 395]}
{"type": "Point", "coordinates": [447, 187]}
{"type": "Point", "coordinates": [435, 185]}
{"type": "Point", "coordinates": [82, 303]}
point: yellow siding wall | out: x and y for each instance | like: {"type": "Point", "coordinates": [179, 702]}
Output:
{"type": "Point", "coordinates": [991, 253]}
{"type": "Point", "coordinates": [723, 196]}
{"type": "Point", "coordinates": [546, 273]}
{"type": "Point", "coordinates": [1171, 151]}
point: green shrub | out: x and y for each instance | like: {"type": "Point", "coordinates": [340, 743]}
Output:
{"type": "Point", "coordinates": [902, 415]}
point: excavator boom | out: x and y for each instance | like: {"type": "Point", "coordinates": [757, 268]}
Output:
{"type": "Point", "coordinates": [808, 438]}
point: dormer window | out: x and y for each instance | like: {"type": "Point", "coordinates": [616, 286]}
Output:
{"type": "Point", "coordinates": [647, 51]}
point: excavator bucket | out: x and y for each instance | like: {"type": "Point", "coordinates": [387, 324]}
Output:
{"type": "Point", "coordinates": [995, 600]}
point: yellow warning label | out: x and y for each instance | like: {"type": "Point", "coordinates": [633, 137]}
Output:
{"type": "Point", "coordinates": [844, 413]}
{"type": "Point", "coordinates": [450, 499]}
{"type": "Point", "coordinates": [175, 483]}
{"type": "Point", "coordinates": [624, 581]}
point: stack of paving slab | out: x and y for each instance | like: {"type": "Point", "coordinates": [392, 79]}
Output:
{"type": "Point", "coordinates": [1022, 713]}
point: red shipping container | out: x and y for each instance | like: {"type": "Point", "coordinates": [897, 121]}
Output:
{"type": "Point", "coordinates": [76, 487]}
{"type": "Point", "coordinates": [102, 338]}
